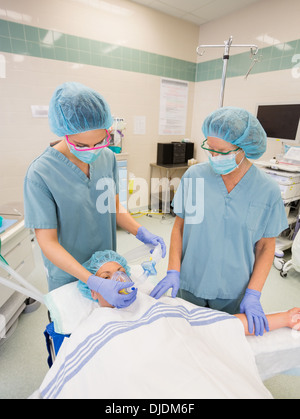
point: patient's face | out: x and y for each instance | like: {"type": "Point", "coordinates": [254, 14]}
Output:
{"type": "Point", "coordinates": [106, 271]}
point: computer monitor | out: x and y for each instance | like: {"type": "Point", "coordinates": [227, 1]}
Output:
{"type": "Point", "coordinates": [281, 122]}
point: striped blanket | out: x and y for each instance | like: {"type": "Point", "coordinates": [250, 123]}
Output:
{"type": "Point", "coordinates": [155, 349]}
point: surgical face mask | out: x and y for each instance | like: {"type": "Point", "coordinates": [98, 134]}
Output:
{"type": "Point", "coordinates": [85, 156]}
{"type": "Point", "coordinates": [88, 155]}
{"type": "Point", "coordinates": [225, 164]}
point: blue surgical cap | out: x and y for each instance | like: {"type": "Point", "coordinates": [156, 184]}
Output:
{"type": "Point", "coordinates": [75, 108]}
{"type": "Point", "coordinates": [94, 264]}
{"type": "Point", "coordinates": [238, 127]}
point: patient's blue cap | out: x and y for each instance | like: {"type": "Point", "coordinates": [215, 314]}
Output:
{"type": "Point", "coordinates": [94, 264]}
{"type": "Point", "coordinates": [238, 127]}
{"type": "Point", "coordinates": [75, 108]}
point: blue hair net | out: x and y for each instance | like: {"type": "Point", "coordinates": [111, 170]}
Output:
{"type": "Point", "coordinates": [238, 127]}
{"type": "Point", "coordinates": [75, 108]}
{"type": "Point", "coordinates": [94, 264]}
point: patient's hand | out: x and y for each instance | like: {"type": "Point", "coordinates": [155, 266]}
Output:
{"type": "Point", "coordinates": [293, 318]}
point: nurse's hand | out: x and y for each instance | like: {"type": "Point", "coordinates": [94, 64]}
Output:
{"type": "Point", "coordinates": [148, 238]}
{"type": "Point", "coordinates": [251, 306]}
{"type": "Point", "coordinates": [172, 280]}
{"type": "Point", "coordinates": [109, 289]}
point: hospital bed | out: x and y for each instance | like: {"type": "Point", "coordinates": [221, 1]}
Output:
{"type": "Point", "coordinates": [204, 349]}
{"type": "Point", "coordinates": [163, 342]}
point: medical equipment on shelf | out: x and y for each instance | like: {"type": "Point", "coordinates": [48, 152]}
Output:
{"type": "Point", "coordinates": [286, 173]}
{"type": "Point", "coordinates": [288, 182]}
{"type": "Point", "coordinates": [228, 45]}
{"type": "Point", "coordinates": [294, 262]}
{"type": "Point", "coordinates": [292, 156]}
{"type": "Point", "coordinates": [117, 135]}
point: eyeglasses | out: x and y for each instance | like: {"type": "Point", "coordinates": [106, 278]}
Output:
{"type": "Point", "coordinates": [101, 144]}
{"type": "Point", "coordinates": [218, 152]}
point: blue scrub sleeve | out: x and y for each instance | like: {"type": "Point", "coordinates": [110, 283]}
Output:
{"type": "Point", "coordinates": [116, 175]}
{"type": "Point", "coordinates": [178, 200]}
{"type": "Point", "coordinates": [188, 202]}
{"type": "Point", "coordinates": [277, 221]}
{"type": "Point", "coordinates": [39, 206]}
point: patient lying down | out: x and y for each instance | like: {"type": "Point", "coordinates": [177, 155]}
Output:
{"type": "Point", "coordinates": [106, 263]}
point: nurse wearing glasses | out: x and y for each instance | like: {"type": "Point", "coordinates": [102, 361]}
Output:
{"type": "Point", "coordinates": [71, 193]}
{"type": "Point", "coordinates": [222, 261]}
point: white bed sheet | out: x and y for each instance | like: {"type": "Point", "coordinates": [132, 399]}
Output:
{"type": "Point", "coordinates": [277, 352]}
{"type": "Point", "coordinates": [155, 349]}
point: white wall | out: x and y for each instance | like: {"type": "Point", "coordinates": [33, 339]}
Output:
{"type": "Point", "coordinates": [32, 80]}
{"type": "Point", "coordinates": [265, 23]}
{"type": "Point", "coordinates": [28, 80]}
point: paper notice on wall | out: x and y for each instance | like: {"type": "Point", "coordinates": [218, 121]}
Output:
{"type": "Point", "coordinates": [173, 107]}
{"type": "Point", "coordinates": [139, 125]}
{"type": "Point", "coordinates": [39, 111]}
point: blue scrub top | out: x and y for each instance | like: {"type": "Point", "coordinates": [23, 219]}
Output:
{"type": "Point", "coordinates": [218, 249]}
{"type": "Point", "coordinates": [58, 195]}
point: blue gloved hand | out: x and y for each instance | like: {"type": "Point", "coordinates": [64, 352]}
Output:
{"type": "Point", "coordinates": [171, 280]}
{"type": "Point", "coordinates": [109, 289]}
{"type": "Point", "coordinates": [251, 306]}
{"type": "Point", "coordinates": [148, 238]}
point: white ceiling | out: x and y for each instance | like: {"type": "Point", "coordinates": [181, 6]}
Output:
{"type": "Point", "coordinates": [196, 11]}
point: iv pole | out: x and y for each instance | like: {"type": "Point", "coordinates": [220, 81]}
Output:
{"type": "Point", "coordinates": [228, 44]}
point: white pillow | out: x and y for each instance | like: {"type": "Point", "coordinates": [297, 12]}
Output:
{"type": "Point", "coordinates": [68, 307]}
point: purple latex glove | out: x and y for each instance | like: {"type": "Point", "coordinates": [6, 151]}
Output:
{"type": "Point", "coordinates": [171, 280]}
{"type": "Point", "coordinates": [251, 306]}
{"type": "Point", "coordinates": [109, 289]}
{"type": "Point", "coordinates": [148, 238]}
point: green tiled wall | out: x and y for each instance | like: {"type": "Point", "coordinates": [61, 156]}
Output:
{"type": "Point", "coordinates": [29, 40]}
{"type": "Point", "coordinates": [37, 42]}
{"type": "Point", "coordinates": [277, 57]}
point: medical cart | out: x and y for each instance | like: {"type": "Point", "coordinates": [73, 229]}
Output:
{"type": "Point", "coordinates": [16, 249]}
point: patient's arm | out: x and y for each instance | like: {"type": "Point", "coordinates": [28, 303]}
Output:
{"type": "Point", "coordinates": [289, 318]}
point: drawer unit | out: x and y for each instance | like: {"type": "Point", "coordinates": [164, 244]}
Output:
{"type": "Point", "coordinates": [289, 183]}
{"type": "Point", "coordinates": [16, 249]}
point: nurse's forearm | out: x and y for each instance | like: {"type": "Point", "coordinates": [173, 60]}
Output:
{"type": "Point", "coordinates": [48, 242]}
{"type": "Point", "coordinates": [175, 252]}
{"type": "Point", "coordinates": [264, 256]}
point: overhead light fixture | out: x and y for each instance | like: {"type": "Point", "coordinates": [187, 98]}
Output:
{"type": "Point", "coordinates": [106, 6]}
{"type": "Point", "coordinates": [267, 39]}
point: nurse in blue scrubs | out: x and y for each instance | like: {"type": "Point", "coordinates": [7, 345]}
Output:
{"type": "Point", "coordinates": [222, 257]}
{"type": "Point", "coordinates": [71, 193]}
